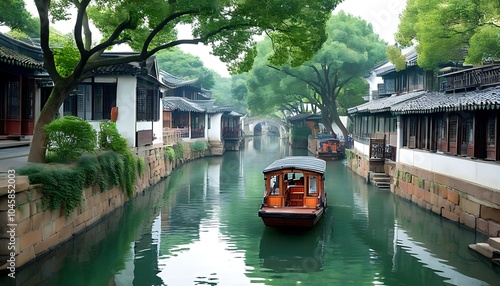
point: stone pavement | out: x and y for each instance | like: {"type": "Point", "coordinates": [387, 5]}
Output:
{"type": "Point", "coordinates": [13, 154]}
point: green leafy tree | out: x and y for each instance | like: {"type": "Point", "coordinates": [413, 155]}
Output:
{"type": "Point", "coordinates": [179, 63]}
{"type": "Point", "coordinates": [451, 30]}
{"type": "Point", "coordinates": [15, 16]}
{"type": "Point", "coordinates": [394, 54]}
{"type": "Point", "coordinates": [228, 26]}
{"type": "Point", "coordinates": [238, 92]}
{"type": "Point", "coordinates": [221, 91]}
{"type": "Point", "coordinates": [270, 92]}
{"type": "Point", "coordinates": [333, 76]}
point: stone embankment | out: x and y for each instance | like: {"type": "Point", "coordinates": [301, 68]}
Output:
{"type": "Point", "coordinates": [28, 231]}
{"type": "Point", "coordinates": [471, 205]}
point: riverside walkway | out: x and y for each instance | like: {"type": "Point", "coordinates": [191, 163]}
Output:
{"type": "Point", "coordinates": [13, 154]}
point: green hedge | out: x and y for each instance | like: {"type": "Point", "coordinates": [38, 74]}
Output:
{"type": "Point", "coordinates": [63, 186]}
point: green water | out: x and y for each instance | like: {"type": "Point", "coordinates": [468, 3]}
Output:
{"type": "Point", "coordinates": [200, 227]}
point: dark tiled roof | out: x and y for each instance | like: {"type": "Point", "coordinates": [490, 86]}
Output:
{"type": "Point", "coordinates": [173, 82]}
{"type": "Point", "coordinates": [184, 104]}
{"type": "Point", "coordinates": [384, 104]}
{"type": "Point", "coordinates": [302, 116]}
{"type": "Point", "coordinates": [234, 114]}
{"type": "Point", "coordinates": [16, 58]}
{"type": "Point", "coordinates": [411, 60]}
{"type": "Point", "coordinates": [120, 69]}
{"type": "Point", "coordinates": [432, 102]}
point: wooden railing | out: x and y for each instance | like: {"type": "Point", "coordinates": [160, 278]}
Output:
{"type": "Point", "coordinates": [197, 133]}
{"type": "Point", "coordinates": [377, 148]}
{"type": "Point", "coordinates": [171, 136]}
{"type": "Point", "coordinates": [231, 133]}
{"type": "Point", "coordinates": [473, 78]}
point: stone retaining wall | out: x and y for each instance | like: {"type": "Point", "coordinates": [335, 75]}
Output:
{"type": "Point", "coordinates": [37, 230]}
{"type": "Point", "coordinates": [471, 205]}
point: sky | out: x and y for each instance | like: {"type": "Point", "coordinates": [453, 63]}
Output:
{"type": "Point", "coordinates": [382, 14]}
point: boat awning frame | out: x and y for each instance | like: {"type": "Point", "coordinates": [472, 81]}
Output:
{"type": "Point", "coordinates": [305, 163]}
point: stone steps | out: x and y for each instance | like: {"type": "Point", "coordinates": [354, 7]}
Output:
{"type": "Point", "coordinates": [381, 180]}
{"type": "Point", "coordinates": [381, 185]}
{"type": "Point", "coordinates": [494, 242]}
{"type": "Point", "coordinates": [489, 249]}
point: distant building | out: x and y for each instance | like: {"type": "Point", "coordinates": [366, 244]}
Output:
{"type": "Point", "coordinates": [192, 112]}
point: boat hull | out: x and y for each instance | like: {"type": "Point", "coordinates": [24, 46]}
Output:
{"type": "Point", "coordinates": [290, 217]}
{"type": "Point", "coordinates": [329, 155]}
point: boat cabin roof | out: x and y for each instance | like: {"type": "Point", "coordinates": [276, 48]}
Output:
{"type": "Point", "coordinates": [306, 163]}
{"type": "Point", "coordinates": [328, 139]}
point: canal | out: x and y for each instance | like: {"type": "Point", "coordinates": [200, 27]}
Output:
{"type": "Point", "coordinates": [200, 227]}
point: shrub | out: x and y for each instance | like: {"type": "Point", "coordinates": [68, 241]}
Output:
{"type": "Point", "coordinates": [179, 150]}
{"type": "Point", "coordinates": [62, 187]}
{"type": "Point", "coordinates": [141, 166]}
{"type": "Point", "coordinates": [112, 170]}
{"type": "Point", "coordinates": [198, 147]}
{"type": "Point", "coordinates": [110, 138]}
{"type": "Point", "coordinates": [68, 138]}
{"type": "Point", "coordinates": [90, 168]}
{"type": "Point", "coordinates": [170, 153]}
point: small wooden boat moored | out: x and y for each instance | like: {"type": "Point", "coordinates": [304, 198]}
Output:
{"type": "Point", "coordinates": [294, 192]}
{"type": "Point", "coordinates": [326, 147]}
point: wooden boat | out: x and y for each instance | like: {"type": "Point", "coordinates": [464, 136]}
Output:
{"type": "Point", "coordinates": [326, 148]}
{"type": "Point", "coordinates": [294, 192]}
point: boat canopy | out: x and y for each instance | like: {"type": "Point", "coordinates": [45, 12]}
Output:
{"type": "Point", "coordinates": [305, 163]}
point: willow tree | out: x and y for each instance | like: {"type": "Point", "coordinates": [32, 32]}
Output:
{"type": "Point", "coordinates": [451, 30]}
{"type": "Point", "coordinates": [228, 26]}
{"type": "Point", "coordinates": [336, 70]}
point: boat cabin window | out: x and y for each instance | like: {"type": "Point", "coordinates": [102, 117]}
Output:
{"type": "Point", "coordinates": [293, 178]}
{"type": "Point", "coordinates": [274, 188]}
{"type": "Point", "coordinates": [312, 190]}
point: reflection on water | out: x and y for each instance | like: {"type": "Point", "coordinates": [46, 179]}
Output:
{"type": "Point", "coordinates": [294, 250]}
{"type": "Point", "coordinates": [200, 227]}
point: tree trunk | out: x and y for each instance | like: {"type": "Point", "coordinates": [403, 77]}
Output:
{"type": "Point", "coordinates": [39, 142]}
{"type": "Point", "coordinates": [331, 116]}
{"type": "Point", "coordinates": [339, 123]}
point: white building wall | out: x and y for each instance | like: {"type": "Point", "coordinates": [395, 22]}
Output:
{"type": "Point", "coordinates": [126, 102]}
{"type": "Point", "coordinates": [373, 80]}
{"type": "Point", "coordinates": [157, 128]}
{"type": "Point", "coordinates": [214, 133]}
{"type": "Point", "coordinates": [476, 172]}
{"type": "Point", "coordinates": [362, 148]}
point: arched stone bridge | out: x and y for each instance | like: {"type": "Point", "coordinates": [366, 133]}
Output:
{"type": "Point", "coordinates": [249, 124]}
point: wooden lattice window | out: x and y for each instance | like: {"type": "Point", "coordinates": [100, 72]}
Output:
{"type": "Point", "coordinates": [490, 136]}
{"type": "Point", "coordinates": [13, 99]}
{"type": "Point", "coordinates": [29, 100]}
{"type": "Point", "coordinates": [104, 99]}
{"type": "Point", "coordinates": [453, 130]}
